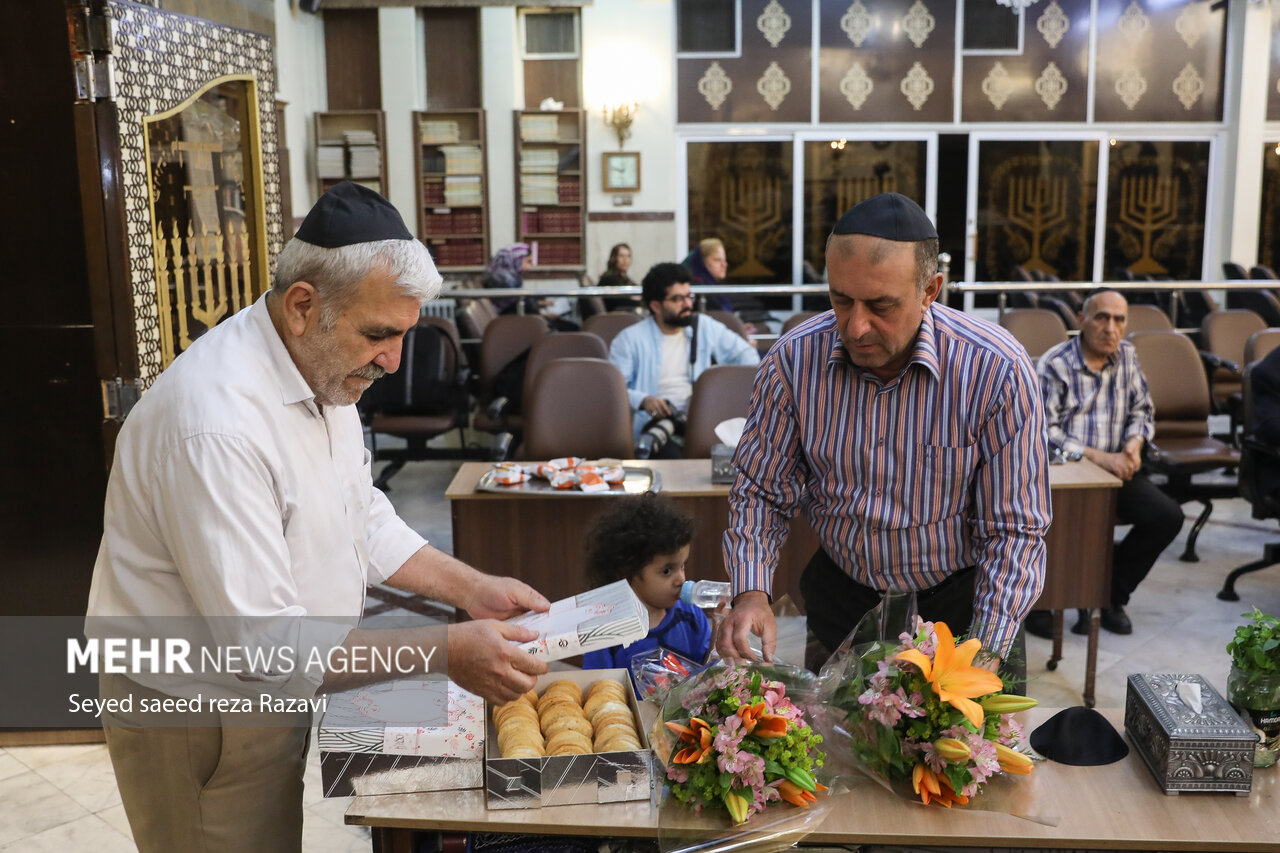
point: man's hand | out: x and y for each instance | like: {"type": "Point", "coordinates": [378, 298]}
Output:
{"type": "Point", "coordinates": [483, 659]}
{"type": "Point", "coordinates": [1121, 464]}
{"type": "Point", "coordinates": [751, 614]}
{"type": "Point", "coordinates": [655, 407]}
{"type": "Point", "coordinates": [501, 598]}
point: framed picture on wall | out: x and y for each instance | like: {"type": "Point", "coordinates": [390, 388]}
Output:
{"type": "Point", "coordinates": [621, 171]}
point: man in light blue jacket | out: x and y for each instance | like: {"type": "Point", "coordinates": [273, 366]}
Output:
{"type": "Point", "coordinates": [661, 357]}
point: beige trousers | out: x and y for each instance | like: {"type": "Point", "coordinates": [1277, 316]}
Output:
{"type": "Point", "coordinates": [209, 787]}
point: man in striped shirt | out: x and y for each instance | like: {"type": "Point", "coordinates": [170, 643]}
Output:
{"type": "Point", "coordinates": [1097, 407]}
{"type": "Point", "coordinates": [910, 435]}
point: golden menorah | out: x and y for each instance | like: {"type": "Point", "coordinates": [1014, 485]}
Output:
{"type": "Point", "coordinates": [850, 191]}
{"type": "Point", "coordinates": [751, 205]}
{"type": "Point", "coordinates": [1037, 204]}
{"type": "Point", "coordinates": [1147, 204]}
{"type": "Point", "coordinates": [201, 278]}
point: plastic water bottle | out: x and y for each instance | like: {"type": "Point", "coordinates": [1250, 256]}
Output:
{"type": "Point", "coordinates": [705, 594]}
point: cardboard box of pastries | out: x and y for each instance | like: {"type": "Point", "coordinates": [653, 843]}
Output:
{"type": "Point", "coordinates": [606, 616]}
{"type": "Point", "coordinates": [398, 737]}
{"type": "Point", "coordinates": [577, 737]}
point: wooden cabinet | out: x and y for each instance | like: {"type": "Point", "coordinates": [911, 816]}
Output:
{"type": "Point", "coordinates": [453, 188]}
{"type": "Point", "coordinates": [351, 145]}
{"type": "Point", "coordinates": [551, 158]}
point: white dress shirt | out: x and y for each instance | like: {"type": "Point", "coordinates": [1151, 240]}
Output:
{"type": "Point", "coordinates": [233, 495]}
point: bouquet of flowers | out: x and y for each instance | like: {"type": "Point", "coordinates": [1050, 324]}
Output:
{"type": "Point", "coordinates": [737, 741]}
{"type": "Point", "coordinates": [918, 711]}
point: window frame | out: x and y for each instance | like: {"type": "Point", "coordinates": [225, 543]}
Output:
{"type": "Point", "coordinates": [525, 14]}
{"type": "Point", "coordinates": [735, 53]}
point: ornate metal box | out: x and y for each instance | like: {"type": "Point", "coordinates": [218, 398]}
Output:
{"type": "Point", "coordinates": [1191, 739]}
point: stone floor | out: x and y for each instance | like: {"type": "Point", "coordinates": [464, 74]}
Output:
{"type": "Point", "coordinates": [56, 798]}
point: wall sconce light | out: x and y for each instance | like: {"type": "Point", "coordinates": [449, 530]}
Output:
{"type": "Point", "coordinates": [839, 144]}
{"type": "Point", "coordinates": [619, 117]}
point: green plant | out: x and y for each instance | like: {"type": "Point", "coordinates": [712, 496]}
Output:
{"type": "Point", "coordinates": [1256, 645]}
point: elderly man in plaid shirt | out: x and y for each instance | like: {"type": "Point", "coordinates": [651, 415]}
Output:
{"type": "Point", "coordinates": [1097, 407]}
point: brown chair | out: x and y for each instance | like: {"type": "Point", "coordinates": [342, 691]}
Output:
{"type": "Point", "coordinates": [607, 325]}
{"type": "Point", "coordinates": [424, 399]}
{"type": "Point", "coordinates": [795, 320]}
{"type": "Point", "coordinates": [1224, 334]}
{"type": "Point", "coordinates": [733, 321]}
{"type": "Point", "coordinates": [578, 407]}
{"type": "Point", "coordinates": [720, 393]}
{"type": "Point", "coordinates": [1148, 318]}
{"type": "Point", "coordinates": [1261, 302]}
{"type": "Point", "coordinates": [1259, 467]}
{"type": "Point", "coordinates": [1258, 347]}
{"type": "Point", "coordinates": [1037, 329]}
{"type": "Point", "coordinates": [472, 316]}
{"type": "Point", "coordinates": [506, 342]}
{"type": "Point", "coordinates": [1182, 446]}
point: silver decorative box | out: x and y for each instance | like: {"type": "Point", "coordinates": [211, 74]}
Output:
{"type": "Point", "coordinates": [1191, 739]}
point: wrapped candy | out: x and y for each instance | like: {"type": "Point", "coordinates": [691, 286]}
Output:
{"type": "Point", "coordinates": [545, 470]}
{"type": "Point", "coordinates": [612, 474]}
{"type": "Point", "coordinates": [565, 462]}
{"type": "Point", "coordinates": [563, 479]}
{"type": "Point", "coordinates": [508, 476]}
{"type": "Point", "coordinates": [592, 483]}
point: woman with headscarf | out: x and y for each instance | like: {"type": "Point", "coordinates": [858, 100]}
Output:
{"type": "Point", "coordinates": [708, 264]}
{"type": "Point", "coordinates": [506, 270]}
{"type": "Point", "coordinates": [616, 275]}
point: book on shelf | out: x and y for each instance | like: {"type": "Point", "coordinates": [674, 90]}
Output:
{"type": "Point", "coordinates": [462, 190]}
{"type": "Point", "coordinates": [539, 160]}
{"type": "Point", "coordinates": [331, 161]}
{"type": "Point", "coordinates": [540, 128]}
{"type": "Point", "coordinates": [366, 160]}
{"type": "Point", "coordinates": [360, 137]}
{"type": "Point", "coordinates": [461, 159]}
{"type": "Point", "coordinates": [438, 131]}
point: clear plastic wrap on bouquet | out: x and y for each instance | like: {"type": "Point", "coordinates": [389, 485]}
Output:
{"type": "Point", "coordinates": [901, 703]}
{"type": "Point", "coordinates": [742, 765]}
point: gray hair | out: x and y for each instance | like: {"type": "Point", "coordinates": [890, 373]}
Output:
{"type": "Point", "coordinates": [925, 252]}
{"type": "Point", "coordinates": [335, 272]}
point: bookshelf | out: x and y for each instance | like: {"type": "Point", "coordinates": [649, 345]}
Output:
{"type": "Point", "coordinates": [550, 149]}
{"type": "Point", "coordinates": [453, 188]}
{"type": "Point", "coordinates": [351, 145]}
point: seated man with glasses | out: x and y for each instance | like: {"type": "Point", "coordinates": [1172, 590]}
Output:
{"type": "Point", "coordinates": [662, 356]}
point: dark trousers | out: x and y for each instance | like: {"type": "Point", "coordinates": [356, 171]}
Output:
{"type": "Point", "coordinates": [1156, 520]}
{"type": "Point", "coordinates": [834, 603]}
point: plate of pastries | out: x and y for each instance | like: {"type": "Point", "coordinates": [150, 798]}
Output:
{"type": "Point", "coordinates": [567, 720]}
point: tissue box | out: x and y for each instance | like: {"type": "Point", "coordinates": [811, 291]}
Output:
{"type": "Point", "coordinates": [557, 780]}
{"type": "Point", "coordinates": [607, 616]}
{"type": "Point", "coordinates": [397, 737]}
{"type": "Point", "coordinates": [722, 470]}
{"type": "Point", "coordinates": [1189, 736]}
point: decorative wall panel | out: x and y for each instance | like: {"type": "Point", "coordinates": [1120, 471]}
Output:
{"type": "Point", "coordinates": [1156, 205]}
{"type": "Point", "coordinates": [741, 193]}
{"type": "Point", "coordinates": [162, 59]}
{"type": "Point", "coordinates": [887, 60]}
{"type": "Point", "coordinates": [1036, 207]}
{"type": "Point", "coordinates": [1049, 81]}
{"type": "Point", "coordinates": [1158, 62]}
{"type": "Point", "coordinates": [840, 174]}
{"type": "Point", "coordinates": [769, 82]}
{"type": "Point", "coordinates": [1269, 215]}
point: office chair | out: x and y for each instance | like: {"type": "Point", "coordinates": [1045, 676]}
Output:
{"type": "Point", "coordinates": [720, 393]}
{"type": "Point", "coordinates": [1259, 346]}
{"type": "Point", "coordinates": [606, 326]}
{"type": "Point", "coordinates": [1146, 318]}
{"type": "Point", "coordinates": [1261, 302]}
{"type": "Point", "coordinates": [1224, 334]}
{"type": "Point", "coordinates": [578, 407]}
{"type": "Point", "coordinates": [1182, 446]}
{"type": "Point", "coordinates": [1037, 329]}
{"type": "Point", "coordinates": [1259, 474]}
{"type": "Point", "coordinates": [732, 320]}
{"type": "Point", "coordinates": [1234, 271]}
{"type": "Point", "coordinates": [1262, 272]}
{"type": "Point", "coordinates": [795, 320]}
{"type": "Point", "coordinates": [503, 355]}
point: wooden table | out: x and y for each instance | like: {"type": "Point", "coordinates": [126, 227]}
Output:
{"type": "Point", "coordinates": [1113, 807]}
{"type": "Point", "coordinates": [539, 539]}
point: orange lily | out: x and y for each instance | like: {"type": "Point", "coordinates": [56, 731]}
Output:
{"type": "Point", "coordinates": [1012, 761]}
{"type": "Point", "coordinates": [952, 674]}
{"type": "Point", "coordinates": [697, 733]}
{"type": "Point", "coordinates": [794, 794]}
{"type": "Point", "coordinates": [934, 787]}
{"type": "Point", "coordinates": [737, 803]}
{"type": "Point", "coordinates": [952, 749]}
{"type": "Point", "coordinates": [764, 726]}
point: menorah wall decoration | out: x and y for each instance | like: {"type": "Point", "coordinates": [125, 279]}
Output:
{"type": "Point", "coordinates": [751, 205]}
{"type": "Point", "coordinates": [1148, 204]}
{"type": "Point", "coordinates": [1038, 205]}
{"type": "Point", "coordinates": [850, 191]}
{"type": "Point", "coordinates": [201, 278]}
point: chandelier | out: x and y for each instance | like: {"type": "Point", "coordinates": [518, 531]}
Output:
{"type": "Point", "coordinates": [1015, 5]}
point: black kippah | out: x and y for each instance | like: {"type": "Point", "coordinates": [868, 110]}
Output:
{"type": "Point", "coordinates": [351, 213]}
{"type": "Point", "coordinates": [891, 216]}
{"type": "Point", "coordinates": [1079, 736]}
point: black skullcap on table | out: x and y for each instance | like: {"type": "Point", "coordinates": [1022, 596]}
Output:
{"type": "Point", "coordinates": [351, 213]}
{"type": "Point", "coordinates": [891, 216]}
{"type": "Point", "coordinates": [1079, 736]}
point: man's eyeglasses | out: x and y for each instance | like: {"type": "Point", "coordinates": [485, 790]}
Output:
{"type": "Point", "coordinates": [677, 299]}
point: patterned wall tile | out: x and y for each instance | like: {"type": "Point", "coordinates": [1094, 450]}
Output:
{"type": "Point", "coordinates": [161, 60]}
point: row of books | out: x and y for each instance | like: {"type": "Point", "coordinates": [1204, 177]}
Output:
{"type": "Point", "coordinates": [331, 161]}
{"type": "Point", "coordinates": [463, 190]}
{"type": "Point", "coordinates": [365, 160]}
{"type": "Point", "coordinates": [569, 189]}
{"type": "Point", "coordinates": [539, 189]}
{"type": "Point", "coordinates": [557, 253]}
{"type": "Point", "coordinates": [550, 221]}
{"type": "Point", "coordinates": [462, 159]}
{"type": "Point", "coordinates": [438, 131]}
{"type": "Point", "coordinates": [540, 128]}
{"type": "Point", "coordinates": [458, 253]}
{"type": "Point", "coordinates": [444, 221]}
{"type": "Point", "coordinates": [539, 160]}
{"type": "Point", "coordinates": [360, 137]}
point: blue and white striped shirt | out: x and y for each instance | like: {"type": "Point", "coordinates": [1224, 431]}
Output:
{"type": "Point", "coordinates": [904, 482]}
{"type": "Point", "coordinates": [1100, 409]}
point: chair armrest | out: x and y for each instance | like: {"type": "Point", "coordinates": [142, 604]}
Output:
{"type": "Point", "coordinates": [1212, 362]}
{"type": "Point", "coordinates": [1151, 452]}
{"type": "Point", "coordinates": [644, 446]}
{"type": "Point", "coordinates": [500, 450]}
{"type": "Point", "coordinates": [498, 407]}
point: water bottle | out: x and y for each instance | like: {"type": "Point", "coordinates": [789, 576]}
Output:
{"type": "Point", "coordinates": [705, 594]}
